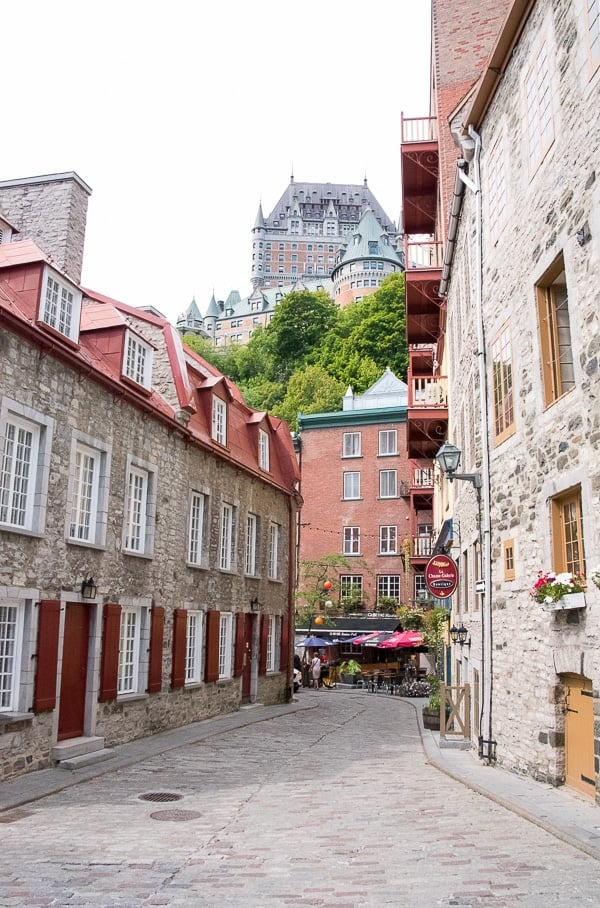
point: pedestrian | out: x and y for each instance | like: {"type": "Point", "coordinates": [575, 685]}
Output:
{"type": "Point", "coordinates": [315, 667]}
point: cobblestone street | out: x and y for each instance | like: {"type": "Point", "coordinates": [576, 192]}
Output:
{"type": "Point", "coordinates": [333, 805]}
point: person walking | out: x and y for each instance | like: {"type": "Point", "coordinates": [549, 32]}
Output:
{"type": "Point", "coordinates": [315, 667]}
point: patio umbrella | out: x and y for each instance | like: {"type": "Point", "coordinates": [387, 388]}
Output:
{"type": "Point", "coordinates": [362, 638]}
{"type": "Point", "coordinates": [402, 639]}
{"type": "Point", "coordinates": [378, 638]}
{"type": "Point", "coordinates": [314, 641]}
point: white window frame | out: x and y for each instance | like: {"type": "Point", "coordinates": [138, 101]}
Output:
{"type": "Point", "coordinates": [225, 644]}
{"type": "Point", "coordinates": [92, 504]}
{"type": "Point", "coordinates": [263, 450]}
{"type": "Point", "coordinates": [388, 483]}
{"type": "Point", "coordinates": [227, 537]}
{"type": "Point", "coordinates": [539, 102]}
{"type": "Point", "coordinates": [12, 615]}
{"type": "Point", "coordinates": [349, 584]}
{"type": "Point", "coordinates": [351, 490]}
{"type": "Point", "coordinates": [593, 19]}
{"type": "Point", "coordinates": [274, 551]}
{"type": "Point", "coordinates": [384, 584]}
{"type": "Point", "coordinates": [252, 523]}
{"type": "Point", "coordinates": [194, 638]}
{"type": "Point", "coordinates": [14, 415]}
{"type": "Point", "coordinates": [388, 442]}
{"type": "Point", "coordinates": [139, 511]}
{"type": "Point", "coordinates": [219, 420]}
{"type": "Point", "coordinates": [496, 197]}
{"type": "Point", "coordinates": [197, 522]}
{"type": "Point", "coordinates": [60, 304]}
{"type": "Point", "coordinates": [351, 541]}
{"type": "Point", "coordinates": [351, 444]}
{"type": "Point", "coordinates": [388, 540]}
{"type": "Point", "coordinates": [134, 643]}
{"type": "Point", "coordinates": [272, 644]}
{"type": "Point", "coordinates": [137, 360]}
{"type": "Point", "coordinates": [421, 591]}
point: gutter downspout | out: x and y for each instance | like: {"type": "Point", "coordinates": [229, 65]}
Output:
{"type": "Point", "coordinates": [487, 746]}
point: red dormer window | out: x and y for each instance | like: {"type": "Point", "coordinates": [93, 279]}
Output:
{"type": "Point", "coordinates": [60, 305]}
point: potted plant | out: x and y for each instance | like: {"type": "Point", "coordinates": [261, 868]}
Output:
{"type": "Point", "coordinates": [431, 712]}
{"type": "Point", "coordinates": [559, 591]}
{"type": "Point", "coordinates": [349, 670]}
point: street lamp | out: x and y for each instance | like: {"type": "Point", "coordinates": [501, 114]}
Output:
{"type": "Point", "coordinates": [448, 458]}
{"type": "Point", "coordinates": [460, 635]}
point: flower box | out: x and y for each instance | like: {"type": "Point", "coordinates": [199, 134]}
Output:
{"type": "Point", "coordinates": [572, 600]}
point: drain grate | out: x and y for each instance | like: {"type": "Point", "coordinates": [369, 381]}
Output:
{"type": "Point", "coordinates": [179, 816]}
{"type": "Point", "coordinates": [161, 796]}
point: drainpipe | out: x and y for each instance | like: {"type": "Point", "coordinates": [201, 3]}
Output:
{"type": "Point", "coordinates": [487, 746]}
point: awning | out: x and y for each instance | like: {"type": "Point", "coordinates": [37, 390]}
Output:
{"type": "Point", "coordinates": [445, 538]}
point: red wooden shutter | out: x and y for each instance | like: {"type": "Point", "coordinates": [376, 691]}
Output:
{"type": "Point", "coordinates": [44, 697]}
{"type": "Point", "coordinates": [285, 656]}
{"type": "Point", "coordinates": [179, 641]}
{"type": "Point", "coordinates": [109, 668]}
{"type": "Point", "coordinates": [240, 640]}
{"type": "Point", "coordinates": [264, 636]}
{"type": "Point", "coordinates": [213, 629]}
{"type": "Point", "coordinates": [156, 649]}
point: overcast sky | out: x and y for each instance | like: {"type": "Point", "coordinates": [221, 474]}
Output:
{"type": "Point", "coordinates": [183, 115]}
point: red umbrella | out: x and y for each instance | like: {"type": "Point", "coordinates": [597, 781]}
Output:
{"type": "Point", "coordinates": [402, 638]}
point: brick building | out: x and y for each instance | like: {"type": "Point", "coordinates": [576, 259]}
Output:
{"type": "Point", "coordinates": [147, 515]}
{"type": "Point", "coordinates": [363, 499]}
{"type": "Point", "coordinates": [515, 326]}
{"type": "Point", "coordinates": [319, 236]}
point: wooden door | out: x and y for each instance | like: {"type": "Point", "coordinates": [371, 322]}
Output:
{"type": "Point", "coordinates": [247, 658]}
{"type": "Point", "coordinates": [74, 671]}
{"type": "Point", "coordinates": [579, 734]}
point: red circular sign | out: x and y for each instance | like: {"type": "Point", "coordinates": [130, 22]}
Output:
{"type": "Point", "coordinates": [441, 576]}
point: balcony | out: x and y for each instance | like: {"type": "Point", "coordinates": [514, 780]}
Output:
{"type": "Point", "coordinates": [427, 415]}
{"type": "Point", "coordinates": [425, 309]}
{"type": "Point", "coordinates": [422, 547]}
{"type": "Point", "coordinates": [419, 151]}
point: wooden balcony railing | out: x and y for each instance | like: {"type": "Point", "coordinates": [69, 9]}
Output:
{"type": "Point", "coordinates": [425, 391]}
{"type": "Point", "coordinates": [422, 478]}
{"type": "Point", "coordinates": [418, 129]}
{"type": "Point", "coordinates": [422, 546]}
{"type": "Point", "coordinates": [422, 255]}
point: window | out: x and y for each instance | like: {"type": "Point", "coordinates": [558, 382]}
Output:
{"type": "Point", "coordinates": [351, 485]}
{"type": "Point", "coordinates": [88, 493]}
{"type": "Point", "coordinates": [274, 546]}
{"type": "Point", "coordinates": [271, 645]}
{"type": "Point", "coordinates": [539, 107]}
{"type": "Point", "coordinates": [351, 590]}
{"type": "Point", "coordinates": [555, 333]}
{"type": "Point", "coordinates": [594, 30]}
{"type": "Point", "coordinates": [138, 360]}
{"type": "Point", "coordinates": [134, 638]}
{"type": "Point", "coordinates": [225, 644]}
{"type": "Point", "coordinates": [567, 533]}
{"type": "Point", "coordinates": [196, 528]}
{"type": "Point", "coordinates": [251, 547]}
{"type": "Point", "coordinates": [193, 648]}
{"type": "Point", "coordinates": [351, 540]}
{"type": "Point", "coordinates": [11, 629]}
{"type": "Point", "coordinates": [496, 188]}
{"type": "Point", "coordinates": [388, 442]}
{"type": "Point", "coordinates": [508, 558]}
{"type": "Point", "coordinates": [387, 484]}
{"type": "Point", "coordinates": [24, 467]}
{"type": "Point", "coordinates": [502, 385]}
{"type": "Point", "coordinates": [421, 591]}
{"type": "Point", "coordinates": [139, 510]}
{"type": "Point", "coordinates": [388, 540]}
{"type": "Point", "coordinates": [351, 444]}
{"type": "Point", "coordinates": [388, 587]}
{"type": "Point", "coordinates": [226, 547]}
{"type": "Point", "coordinates": [219, 420]}
{"type": "Point", "coordinates": [263, 450]}
{"type": "Point", "coordinates": [60, 305]}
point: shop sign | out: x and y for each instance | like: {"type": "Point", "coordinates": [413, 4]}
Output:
{"type": "Point", "coordinates": [441, 576]}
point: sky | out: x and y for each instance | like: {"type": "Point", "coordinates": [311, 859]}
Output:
{"type": "Point", "coordinates": [183, 116]}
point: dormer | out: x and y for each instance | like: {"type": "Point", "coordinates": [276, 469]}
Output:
{"type": "Point", "coordinates": [7, 230]}
{"type": "Point", "coordinates": [137, 360]}
{"type": "Point", "coordinates": [60, 304]}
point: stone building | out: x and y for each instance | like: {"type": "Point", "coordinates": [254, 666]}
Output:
{"type": "Point", "coordinates": [147, 516]}
{"type": "Point", "coordinates": [306, 243]}
{"type": "Point", "coordinates": [365, 500]}
{"type": "Point", "coordinates": [520, 327]}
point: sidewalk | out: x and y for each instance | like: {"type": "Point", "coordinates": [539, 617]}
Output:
{"type": "Point", "coordinates": [561, 812]}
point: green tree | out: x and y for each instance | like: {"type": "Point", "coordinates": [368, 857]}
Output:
{"type": "Point", "coordinates": [299, 324]}
{"type": "Point", "coordinates": [310, 390]}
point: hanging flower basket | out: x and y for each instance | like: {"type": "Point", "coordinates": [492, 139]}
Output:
{"type": "Point", "coordinates": [555, 592]}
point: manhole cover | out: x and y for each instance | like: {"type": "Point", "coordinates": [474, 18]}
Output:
{"type": "Point", "coordinates": [179, 816]}
{"type": "Point", "coordinates": [161, 796]}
